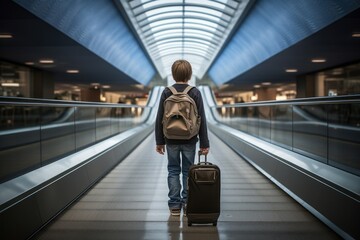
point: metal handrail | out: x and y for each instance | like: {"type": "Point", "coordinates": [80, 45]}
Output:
{"type": "Point", "coordinates": [311, 100]}
{"type": "Point", "coordinates": [60, 103]}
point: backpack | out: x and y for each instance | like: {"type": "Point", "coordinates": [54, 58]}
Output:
{"type": "Point", "coordinates": [181, 119]}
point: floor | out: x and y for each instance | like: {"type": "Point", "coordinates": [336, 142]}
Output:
{"type": "Point", "coordinates": [131, 203]}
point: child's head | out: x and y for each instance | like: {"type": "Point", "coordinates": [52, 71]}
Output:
{"type": "Point", "coordinates": [181, 71]}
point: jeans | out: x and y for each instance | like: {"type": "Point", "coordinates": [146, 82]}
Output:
{"type": "Point", "coordinates": [177, 165]}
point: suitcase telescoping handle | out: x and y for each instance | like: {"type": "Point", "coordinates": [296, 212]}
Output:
{"type": "Point", "coordinates": [199, 162]}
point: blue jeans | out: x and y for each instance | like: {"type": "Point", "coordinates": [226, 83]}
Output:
{"type": "Point", "coordinates": [177, 165]}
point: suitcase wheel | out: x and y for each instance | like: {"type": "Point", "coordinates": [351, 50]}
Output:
{"type": "Point", "coordinates": [214, 224]}
{"type": "Point", "coordinates": [189, 224]}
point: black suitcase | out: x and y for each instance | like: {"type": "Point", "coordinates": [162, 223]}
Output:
{"type": "Point", "coordinates": [203, 204]}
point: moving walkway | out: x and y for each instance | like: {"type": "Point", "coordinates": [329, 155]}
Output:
{"type": "Point", "coordinates": [252, 205]}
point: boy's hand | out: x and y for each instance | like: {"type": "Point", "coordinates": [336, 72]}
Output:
{"type": "Point", "coordinates": [160, 149]}
{"type": "Point", "coordinates": [204, 151]}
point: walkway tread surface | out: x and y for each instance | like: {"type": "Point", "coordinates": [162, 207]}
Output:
{"type": "Point", "coordinates": [131, 203]}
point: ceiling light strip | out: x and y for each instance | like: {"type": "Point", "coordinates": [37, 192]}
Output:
{"type": "Point", "coordinates": [156, 21]}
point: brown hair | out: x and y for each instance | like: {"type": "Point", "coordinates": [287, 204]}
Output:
{"type": "Point", "coordinates": [181, 71]}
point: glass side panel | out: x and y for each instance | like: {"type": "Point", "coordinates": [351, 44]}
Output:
{"type": "Point", "coordinates": [344, 136]}
{"type": "Point", "coordinates": [242, 118]}
{"type": "Point", "coordinates": [33, 136]}
{"type": "Point", "coordinates": [115, 120]}
{"type": "Point", "coordinates": [57, 132]}
{"type": "Point", "coordinates": [85, 126]}
{"type": "Point", "coordinates": [252, 113]}
{"type": "Point", "coordinates": [265, 122]}
{"type": "Point", "coordinates": [310, 131]}
{"type": "Point", "coordinates": [329, 133]}
{"type": "Point", "coordinates": [103, 123]}
{"type": "Point", "coordinates": [281, 125]}
{"type": "Point", "coordinates": [19, 140]}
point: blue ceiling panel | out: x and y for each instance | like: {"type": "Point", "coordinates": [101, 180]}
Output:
{"type": "Point", "coordinates": [98, 26]}
{"type": "Point", "coordinates": [271, 27]}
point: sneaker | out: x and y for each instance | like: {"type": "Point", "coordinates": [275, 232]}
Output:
{"type": "Point", "coordinates": [175, 211]}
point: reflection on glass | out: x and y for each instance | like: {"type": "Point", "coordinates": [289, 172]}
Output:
{"type": "Point", "coordinates": [14, 80]}
{"type": "Point", "coordinates": [265, 122]}
{"type": "Point", "coordinates": [57, 132]}
{"type": "Point", "coordinates": [85, 126]}
{"type": "Point", "coordinates": [281, 125]}
{"type": "Point", "coordinates": [344, 136]}
{"type": "Point", "coordinates": [32, 136]}
{"type": "Point", "coordinates": [329, 133]}
{"type": "Point", "coordinates": [19, 140]}
{"type": "Point", "coordinates": [310, 131]}
{"type": "Point", "coordinates": [14, 117]}
{"type": "Point", "coordinates": [252, 113]}
{"type": "Point", "coordinates": [103, 123]}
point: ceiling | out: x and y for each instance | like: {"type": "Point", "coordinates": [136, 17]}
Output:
{"type": "Point", "coordinates": [183, 29]}
{"type": "Point", "coordinates": [34, 39]}
{"type": "Point", "coordinates": [333, 43]}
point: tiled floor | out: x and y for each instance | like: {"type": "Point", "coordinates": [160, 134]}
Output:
{"type": "Point", "coordinates": [131, 203]}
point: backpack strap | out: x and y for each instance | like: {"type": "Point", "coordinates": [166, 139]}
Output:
{"type": "Point", "coordinates": [172, 89]}
{"type": "Point", "coordinates": [187, 89]}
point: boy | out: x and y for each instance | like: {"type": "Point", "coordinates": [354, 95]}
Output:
{"type": "Point", "coordinates": [181, 72]}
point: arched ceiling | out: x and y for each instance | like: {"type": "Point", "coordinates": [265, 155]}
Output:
{"type": "Point", "coordinates": [194, 30]}
{"type": "Point", "coordinates": [34, 39]}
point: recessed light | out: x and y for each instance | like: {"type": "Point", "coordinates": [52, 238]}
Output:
{"type": "Point", "coordinates": [46, 61]}
{"type": "Point", "coordinates": [6, 35]}
{"type": "Point", "coordinates": [356, 35]}
{"type": "Point", "coordinates": [72, 71]}
{"type": "Point", "coordinates": [106, 86]}
{"type": "Point", "coordinates": [10, 84]}
{"type": "Point", "coordinates": [29, 63]}
{"type": "Point", "coordinates": [338, 71]}
{"type": "Point", "coordinates": [291, 70]}
{"type": "Point", "coordinates": [257, 86]}
{"type": "Point", "coordinates": [266, 83]}
{"type": "Point", "coordinates": [76, 88]}
{"type": "Point", "coordinates": [318, 60]}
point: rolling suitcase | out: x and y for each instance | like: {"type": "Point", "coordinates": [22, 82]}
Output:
{"type": "Point", "coordinates": [203, 204]}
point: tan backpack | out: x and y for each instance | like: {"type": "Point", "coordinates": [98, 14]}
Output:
{"type": "Point", "coordinates": [181, 119]}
